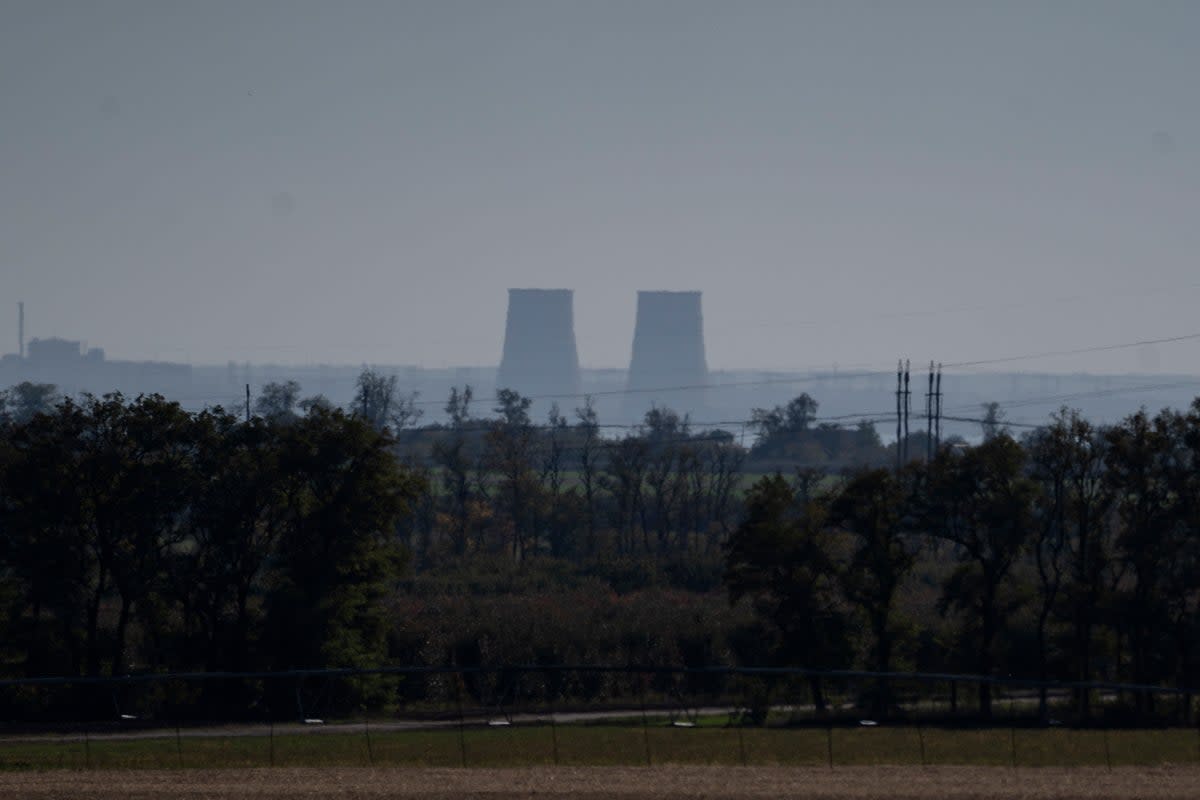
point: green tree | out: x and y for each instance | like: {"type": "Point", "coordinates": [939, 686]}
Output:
{"type": "Point", "coordinates": [277, 401]}
{"type": "Point", "coordinates": [873, 508]}
{"type": "Point", "coordinates": [235, 523]}
{"type": "Point", "coordinates": [338, 556]}
{"type": "Point", "coordinates": [25, 400]}
{"type": "Point", "coordinates": [1140, 459]}
{"type": "Point", "coordinates": [510, 451]}
{"type": "Point", "coordinates": [981, 502]}
{"type": "Point", "coordinates": [779, 559]}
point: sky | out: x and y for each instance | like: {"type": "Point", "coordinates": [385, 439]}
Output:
{"type": "Point", "coordinates": [361, 182]}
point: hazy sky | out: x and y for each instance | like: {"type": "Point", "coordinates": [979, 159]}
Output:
{"type": "Point", "coordinates": [361, 182]}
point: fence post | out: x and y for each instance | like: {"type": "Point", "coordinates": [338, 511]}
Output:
{"type": "Point", "coordinates": [829, 742]}
{"type": "Point", "coordinates": [178, 745]}
{"type": "Point", "coordinates": [1012, 731]}
{"type": "Point", "coordinates": [550, 707]}
{"type": "Point", "coordinates": [370, 749]}
{"type": "Point", "coordinates": [645, 722]}
{"type": "Point", "coordinates": [271, 745]}
{"type": "Point", "coordinates": [300, 700]}
{"type": "Point", "coordinates": [462, 735]}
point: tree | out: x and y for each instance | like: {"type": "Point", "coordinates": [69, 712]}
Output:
{"type": "Point", "coordinates": [377, 400]}
{"type": "Point", "coordinates": [665, 433]}
{"type": "Point", "coordinates": [1089, 543]}
{"type": "Point", "coordinates": [458, 406]}
{"type": "Point", "coordinates": [624, 478]}
{"type": "Point", "coordinates": [793, 418]}
{"type": "Point", "coordinates": [992, 416]}
{"type": "Point", "coordinates": [338, 556]}
{"type": "Point", "coordinates": [779, 558]}
{"type": "Point", "coordinates": [25, 400]}
{"type": "Point", "coordinates": [1050, 460]}
{"type": "Point", "coordinates": [873, 509]}
{"type": "Point", "coordinates": [1141, 458]}
{"type": "Point", "coordinates": [45, 549]}
{"type": "Point", "coordinates": [980, 501]}
{"type": "Point", "coordinates": [142, 474]}
{"type": "Point", "coordinates": [553, 476]}
{"type": "Point", "coordinates": [588, 429]}
{"type": "Point", "coordinates": [510, 450]}
{"type": "Point", "coordinates": [235, 523]}
{"type": "Point", "coordinates": [277, 401]}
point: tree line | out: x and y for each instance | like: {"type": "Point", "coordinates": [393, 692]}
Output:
{"type": "Point", "coordinates": [1070, 554]}
{"type": "Point", "coordinates": [137, 535]}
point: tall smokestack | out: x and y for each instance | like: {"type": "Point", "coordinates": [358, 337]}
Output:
{"type": "Point", "coordinates": [668, 351]}
{"type": "Point", "coordinates": [21, 329]}
{"type": "Point", "coordinates": [539, 343]}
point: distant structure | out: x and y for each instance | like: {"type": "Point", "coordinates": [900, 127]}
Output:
{"type": "Point", "coordinates": [539, 345]}
{"type": "Point", "coordinates": [73, 368]}
{"type": "Point", "coordinates": [668, 352]}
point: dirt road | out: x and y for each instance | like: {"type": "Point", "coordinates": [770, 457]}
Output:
{"type": "Point", "coordinates": [657, 783]}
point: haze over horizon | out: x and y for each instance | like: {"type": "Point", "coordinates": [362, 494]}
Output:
{"type": "Point", "coordinates": [847, 183]}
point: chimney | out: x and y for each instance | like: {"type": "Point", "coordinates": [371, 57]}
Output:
{"type": "Point", "coordinates": [21, 329]}
{"type": "Point", "coordinates": [668, 351]}
{"type": "Point", "coordinates": [539, 344]}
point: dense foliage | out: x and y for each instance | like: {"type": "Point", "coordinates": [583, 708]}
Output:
{"type": "Point", "coordinates": [135, 535]}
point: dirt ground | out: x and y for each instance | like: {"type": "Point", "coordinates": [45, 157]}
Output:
{"type": "Point", "coordinates": [632, 783]}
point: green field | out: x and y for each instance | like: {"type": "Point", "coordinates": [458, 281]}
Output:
{"type": "Point", "coordinates": [612, 745]}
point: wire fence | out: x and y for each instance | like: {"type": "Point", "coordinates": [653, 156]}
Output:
{"type": "Point", "coordinates": [560, 714]}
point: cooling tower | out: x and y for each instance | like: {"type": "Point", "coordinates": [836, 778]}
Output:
{"type": "Point", "coordinates": [539, 344]}
{"type": "Point", "coordinates": [668, 351]}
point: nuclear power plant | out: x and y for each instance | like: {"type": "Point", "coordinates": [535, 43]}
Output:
{"type": "Point", "coordinates": [539, 344]}
{"type": "Point", "coordinates": [668, 350]}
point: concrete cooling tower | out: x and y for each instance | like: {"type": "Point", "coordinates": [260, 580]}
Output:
{"type": "Point", "coordinates": [539, 345]}
{"type": "Point", "coordinates": [668, 351]}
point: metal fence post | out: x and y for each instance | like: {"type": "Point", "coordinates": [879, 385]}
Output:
{"type": "Point", "coordinates": [741, 741]}
{"type": "Point", "coordinates": [553, 722]}
{"type": "Point", "coordinates": [645, 722]}
{"type": "Point", "coordinates": [1012, 731]}
{"type": "Point", "coordinates": [462, 735]}
{"type": "Point", "coordinates": [370, 748]}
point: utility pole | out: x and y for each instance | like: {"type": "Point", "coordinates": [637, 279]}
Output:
{"type": "Point", "coordinates": [899, 412]}
{"type": "Point", "coordinates": [937, 414]}
{"type": "Point", "coordinates": [929, 417]}
{"type": "Point", "coordinates": [907, 408]}
{"type": "Point", "coordinates": [247, 403]}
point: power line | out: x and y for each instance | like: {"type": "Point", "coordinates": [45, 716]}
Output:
{"type": "Point", "coordinates": [1077, 351]}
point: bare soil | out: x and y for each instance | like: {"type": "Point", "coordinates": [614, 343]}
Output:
{"type": "Point", "coordinates": [631, 783]}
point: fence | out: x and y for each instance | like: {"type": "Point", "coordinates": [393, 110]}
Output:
{"type": "Point", "coordinates": [558, 714]}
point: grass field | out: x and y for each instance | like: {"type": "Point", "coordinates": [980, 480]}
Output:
{"type": "Point", "coordinates": [629, 783]}
{"type": "Point", "coordinates": [609, 745]}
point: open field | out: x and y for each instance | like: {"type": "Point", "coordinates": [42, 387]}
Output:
{"type": "Point", "coordinates": [357, 745]}
{"type": "Point", "coordinates": [631, 783]}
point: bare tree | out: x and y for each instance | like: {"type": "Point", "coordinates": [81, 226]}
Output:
{"type": "Point", "coordinates": [589, 465]}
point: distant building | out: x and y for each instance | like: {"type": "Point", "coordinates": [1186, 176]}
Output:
{"type": "Point", "coordinates": [668, 366]}
{"type": "Point", "coordinates": [74, 369]}
{"type": "Point", "coordinates": [54, 351]}
{"type": "Point", "coordinates": [539, 344]}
